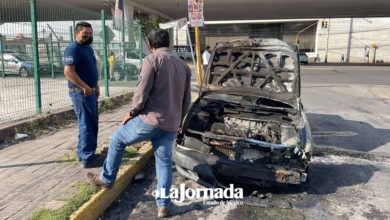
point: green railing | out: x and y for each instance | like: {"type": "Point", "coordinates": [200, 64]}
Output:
{"type": "Point", "coordinates": [33, 37]}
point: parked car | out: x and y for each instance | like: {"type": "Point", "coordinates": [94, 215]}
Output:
{"type": "Point", "coordinates": [125, 72]}
{"type": "Point", "coordinates": [248, 124]}
{"type": "Point", "coordinates": [22, 65]}
{"type": "Point", "coordinates": [184, 52]}
{"type": "Point", "coordinates": [303, 58]}
{"type": "Point", "coordinates": [132, 57]}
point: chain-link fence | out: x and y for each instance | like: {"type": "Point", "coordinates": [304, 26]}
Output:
{"type": "Point", "coordinates": [32, 81]}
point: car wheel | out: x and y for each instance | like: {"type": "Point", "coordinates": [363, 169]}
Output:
{"type": "Point", "coordinates": [117, 75]}
{"type": "Point", "coordinates": [23, 72]}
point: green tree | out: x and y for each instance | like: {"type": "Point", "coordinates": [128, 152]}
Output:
{"type": "Point", "coordinates": [150, 23]}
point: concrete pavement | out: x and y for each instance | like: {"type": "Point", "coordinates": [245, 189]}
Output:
{"type": "Point", "coordinates": [30, 174]}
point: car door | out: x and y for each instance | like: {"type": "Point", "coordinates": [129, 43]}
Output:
{"type": "Point", "coordinates": [12, 65]}
{"type": "Point", "coordinates": [133, 58]}
{"type": "Point", "coordinates": [8, 64]}
{"type": "Point", "coordinates": [2, 65]}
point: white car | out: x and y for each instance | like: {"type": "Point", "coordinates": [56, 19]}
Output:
{"type": "Point", "coordinates": [21, 65]}
{"type": "Point", "coordinates": [184, 52]}
{"type": "Point", "coordinates": [303, 58]}
{"type": "Point", "coordinates": [132, 57]}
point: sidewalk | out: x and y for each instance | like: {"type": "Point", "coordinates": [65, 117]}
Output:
{"type": "Point", "coordinates": [31, 176]}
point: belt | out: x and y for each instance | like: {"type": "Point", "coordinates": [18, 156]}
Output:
{"type": "Point", "coordinates": [75, 89]}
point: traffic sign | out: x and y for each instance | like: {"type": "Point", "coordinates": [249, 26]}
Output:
{"type": "Point", "coordinates": [110, 34]}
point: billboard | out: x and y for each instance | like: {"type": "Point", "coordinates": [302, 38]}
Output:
{"type": "Point", "coordinates": [195, 13]}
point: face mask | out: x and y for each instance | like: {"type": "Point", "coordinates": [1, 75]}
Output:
{"type": "Point", "coordinates": [86, 40]}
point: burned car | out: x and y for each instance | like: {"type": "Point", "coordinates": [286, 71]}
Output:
{"type": "Point", "coordinates": [248, 124]}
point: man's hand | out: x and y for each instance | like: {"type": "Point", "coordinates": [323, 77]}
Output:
{"type": "Point", "coordinates": [87, 91]}
{"type": "Point", "coordinates": [126, 119]}
{"type": "Point", "coordinates": [97, 91]}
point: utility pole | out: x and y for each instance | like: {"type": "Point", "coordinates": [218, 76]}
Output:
{"type": "Point", "coordinates": [198, 56]}
{"type": "Point", "coordinates": [327, 43]}
{"type": "Point", "coordinates": [349, 41]}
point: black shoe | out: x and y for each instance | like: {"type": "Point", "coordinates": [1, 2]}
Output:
{"type": "Point", "coordinates": [93, 163]}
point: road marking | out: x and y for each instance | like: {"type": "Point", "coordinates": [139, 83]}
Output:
{"type": "Point", "coordinates": [317, 68]}
{"type": "Point", "coordinates": [334, 133]}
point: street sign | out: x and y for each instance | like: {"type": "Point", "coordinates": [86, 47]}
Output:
{"type": "Point", "coordinates": [110, 34]}
{"type": "Point", "coordinates": [195, 13]}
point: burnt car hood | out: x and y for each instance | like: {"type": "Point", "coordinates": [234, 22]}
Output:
{"type": "Point", "coordinates": [267, 68]}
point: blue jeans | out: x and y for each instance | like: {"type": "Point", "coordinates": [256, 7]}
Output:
{"type": "Point", "coordinates": [135, 131]}
{"type": "Point", "coordinates": [86, 109]}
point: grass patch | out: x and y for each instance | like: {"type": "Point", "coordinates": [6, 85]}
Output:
{"type": "Point", "coordinates": [110, 104]}
{"type": "Point", "coordinates": [53, 122]}
{"type": "Point", "coordinates": [69, 158]}
{"type": "Point", "coordinates": [85, 191]}
{"type": "Point", "coordinates": [130, 152]}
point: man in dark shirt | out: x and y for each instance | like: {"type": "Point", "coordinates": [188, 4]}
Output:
{"type": "Point", "coordinates": [161, 99]}
{"type": "Point", "coordinates": [82, 74]}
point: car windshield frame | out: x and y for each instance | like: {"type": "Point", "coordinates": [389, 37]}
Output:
{"type": "Point", "coordinates": [22, 57]}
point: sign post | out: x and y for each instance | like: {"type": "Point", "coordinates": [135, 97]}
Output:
{"type": "Point", "coordinates": [195, 15]}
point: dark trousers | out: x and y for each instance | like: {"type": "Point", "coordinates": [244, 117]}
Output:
{"type": "Point", "coordinates": [204, 68]}
{"type": "Point", "coordinates": [86, 109]}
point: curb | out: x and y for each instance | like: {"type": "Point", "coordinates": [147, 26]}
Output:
{"type": "Point", "coordinates": [100, 201]}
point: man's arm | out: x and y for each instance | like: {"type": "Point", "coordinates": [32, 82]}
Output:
{"type": "Point", "coordinates": [144, 85]}
{"type": "Point", "coordinates": [71, 75]}
{"type": "Point", "coordinates": [97, 90]}
{"type": "Point", "coordinates": [187, 95]}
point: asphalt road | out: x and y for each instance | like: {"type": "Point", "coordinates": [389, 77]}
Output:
{"type": "Point", "coordinates": [348, 110]}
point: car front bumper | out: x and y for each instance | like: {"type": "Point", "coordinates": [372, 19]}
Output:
{"type": "Point", "coordinates": [207, 169]}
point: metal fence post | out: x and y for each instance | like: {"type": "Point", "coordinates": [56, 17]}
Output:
{"type": "Point", "coordinates": [59, 57]}
{"type": "Point", "coordinates": [105, 63]}
{"type": "Point", "coordinates": [74, 30]}
{"type": "Point", "coordinates": [37, 80]}
{"type": "Point", "coordinates": [71, 33]}
{"type": "Point", "coordinates": [140, 43]}
{"type": "Point", "coordinates": [123, 36]}
{"type": "Point", "coordinates": [2, 57]}
{"type": "Point", "coordinates": [51, 56]}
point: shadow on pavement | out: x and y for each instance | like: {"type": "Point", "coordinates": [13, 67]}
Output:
{"type": "Point", "coordinates": [333, 130]}
{"type": "Point", "coordinates": [35, 164]}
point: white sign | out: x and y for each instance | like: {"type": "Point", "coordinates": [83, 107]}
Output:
{"type": "Point", "coordinates": [182, 194]}
{"type": "Point", "coordinates": [195, 13]}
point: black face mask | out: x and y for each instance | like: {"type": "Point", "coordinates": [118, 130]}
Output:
{"type": "Point", "coordinates": [86, 40]}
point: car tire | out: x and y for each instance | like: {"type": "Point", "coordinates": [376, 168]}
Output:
{"type": "Point", "coordinates": [117, 76]}
{"type": "Point", "coordinates": [23, 72]}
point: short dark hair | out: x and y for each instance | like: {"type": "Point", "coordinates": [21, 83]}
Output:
{"type": "Point", "coordinates": [80, 25]}
{"type": "Point", "coordinates": [208, 47]}
{"type": "Point", "coordinates": [158, 38]}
